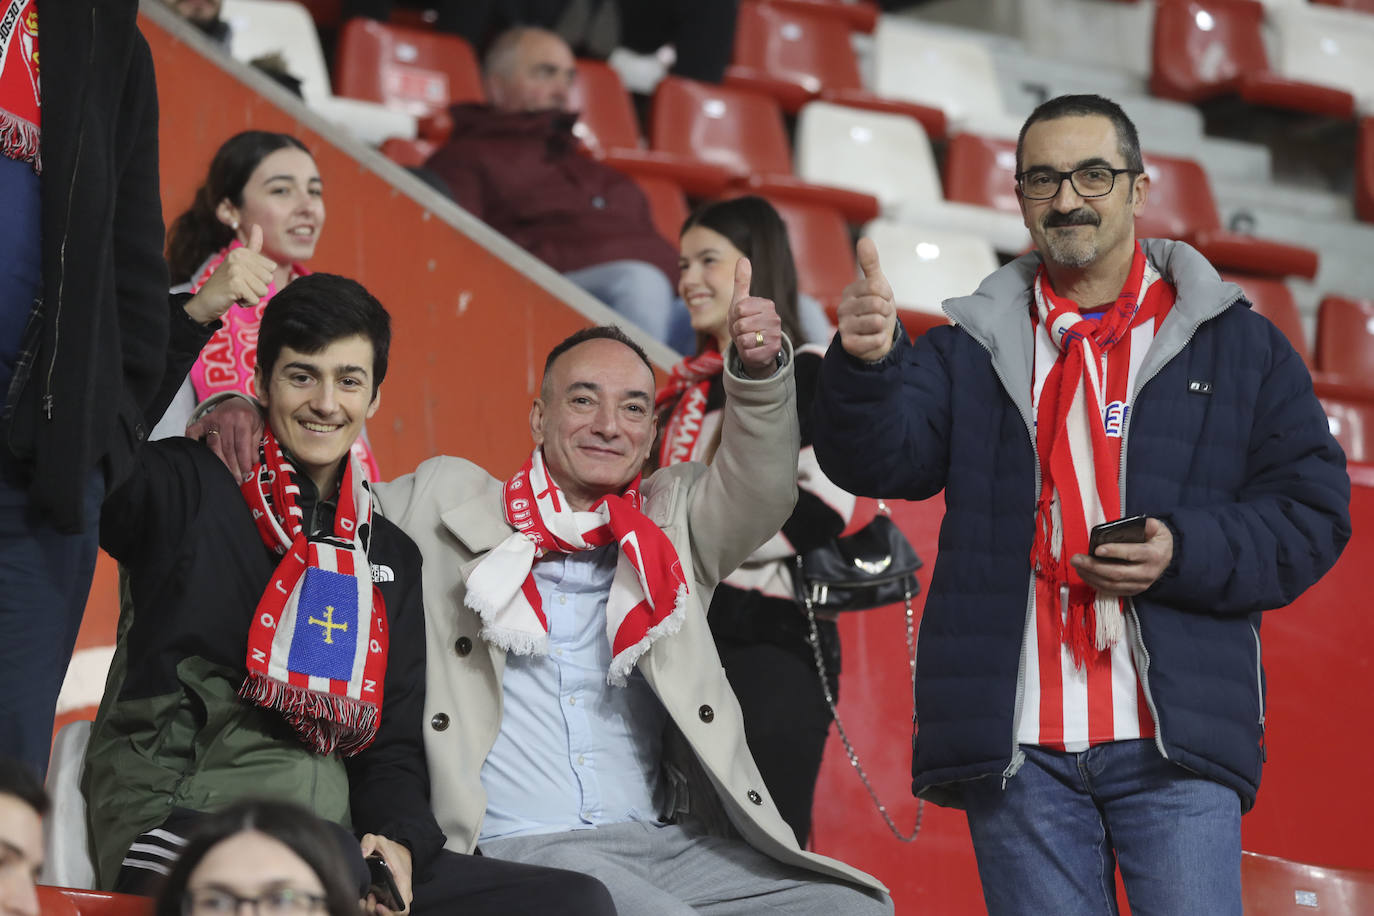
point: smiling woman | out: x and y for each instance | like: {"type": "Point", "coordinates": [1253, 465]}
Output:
{"type": "Point", "coordinates": [251, 229]}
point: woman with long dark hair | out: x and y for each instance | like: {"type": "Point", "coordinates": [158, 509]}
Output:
{"type": "Point", "coordinates": [760, 630]}
{"type": "Point", "coordinates": [251, 228]}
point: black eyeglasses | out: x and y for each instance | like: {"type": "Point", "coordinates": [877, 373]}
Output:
{"type": "Point", "coordinates": [1089, 181]}
{"type": "Point", "coordinates": [282, 901]}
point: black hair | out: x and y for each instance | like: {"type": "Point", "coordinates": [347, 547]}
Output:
{"type": "Point", "coordinates": [18, 780]}
{"type": "Point", "coordinates": [1065, 106]}
{"type": "Point", "coordinates": [198, 233]}
{"type": "Point", "coordinates": [755, 228]}
{"type": "Point", "coordinates": [599, 332]}
{"type": "Point", "coordinates": [314, 841]}
{"type": "Point", "coordinates": [313, 311]}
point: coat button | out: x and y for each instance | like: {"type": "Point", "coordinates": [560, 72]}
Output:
{"type": "Point", "coordinates": [707, 713]}
{"type": "Point", "coordinates": [754, 797]}
{"type": "Point", "coordinates": [463, 646]}
{"type": "Point", "coordinates": [439, 722]}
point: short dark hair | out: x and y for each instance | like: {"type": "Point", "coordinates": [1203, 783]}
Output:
{"type": "Point", "coordinates": [313, 311]}
{"type": "Point", "coordinates": [18, 780]}
{"type": "Point", "coordinates": [319, 846]}
{"type": "Point", "coordinates": [754, 227]}
{"type": "Point", "coordinates": [599, 332]}
{"type": "Point", "coordinates": [1066, 106]}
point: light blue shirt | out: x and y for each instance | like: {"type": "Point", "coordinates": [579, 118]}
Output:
{"type": "Point", "coordinates": [573, 751]}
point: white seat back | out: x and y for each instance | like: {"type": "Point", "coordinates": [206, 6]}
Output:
{"type": "Point", "coordinates": [886, 155]}
{"type": "Point", "coordinates": [926, 266]}
{"type": "Point", "coordinates": [66, 839]}
{"type": "Point", "coordinates": [947, 72]}
{"type": "Point", "coordinates": [262, 27]}
{"type": "Point", "coordinates": [1328, 46]}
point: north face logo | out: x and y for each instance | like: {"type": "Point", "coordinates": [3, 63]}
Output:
{"type": "Point", "coordinates": [382, 573]}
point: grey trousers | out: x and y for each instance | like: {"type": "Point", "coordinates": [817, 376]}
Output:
{"type": "Point", "coordinates": [673, 870]}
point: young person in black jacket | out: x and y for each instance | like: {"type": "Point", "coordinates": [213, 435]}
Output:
{"type": "Point", "coordinates": [274, 644]}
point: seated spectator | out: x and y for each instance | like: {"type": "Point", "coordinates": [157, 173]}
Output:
{"type": "Point", "coordinates": [205, 15]}
{"type": "Point", "coordinates": [516, 165]}
{"type": "Point", "coordinates": [22, 806]}
{"type": "Point", "coordinates": [277, 856]}
{"type": "Point", "coordinates": [256, 179]}
{"type": "Point", "coordinates": [760, 630]}
{"type": "Point", "coordinates": [274, 640]}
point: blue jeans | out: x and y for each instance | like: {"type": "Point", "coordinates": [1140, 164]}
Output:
{"type": "Point", "coordinates": [1050, 841]}
{"type": "Point", "coordinates": [45, 577]}
{"type": "Point", "coordinates": [637, 290]}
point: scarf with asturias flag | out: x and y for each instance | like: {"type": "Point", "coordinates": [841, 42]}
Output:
{"type": "Point", "coordinates": [20, 100]}
{"type": "Point", "coordinates": [1085, 391]}
{"type": "Point", "coordinates": [317, 646]}
{"type": "Point", "coordinates": [648, 594]}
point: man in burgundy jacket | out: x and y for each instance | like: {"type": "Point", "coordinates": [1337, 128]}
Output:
{"type": "Point", "coordinates": [516, 164]}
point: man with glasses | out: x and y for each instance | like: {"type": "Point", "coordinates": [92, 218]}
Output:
{"type": "Point", "coordinates": [1090, 706]}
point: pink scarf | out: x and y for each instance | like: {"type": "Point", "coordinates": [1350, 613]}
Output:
{"type": "Point", "coordinates": [20, 112]}
{"type": "Point", "coordinates": [648, 594]}
{"type": "Point", "coordinates": [1079, 424]}
{"type": "Point", "coordinates": [689, 383]}
{"type": "Point", "coordinates": [317, 646]}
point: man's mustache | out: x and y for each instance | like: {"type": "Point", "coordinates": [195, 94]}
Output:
{"type": "Point", "coordinates": [1081, 217]}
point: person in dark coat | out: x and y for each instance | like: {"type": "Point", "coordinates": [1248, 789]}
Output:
{"type": "Point", "coordinates": [83, 323]}
{"type": "Point", "coordinates": [1089, 704]}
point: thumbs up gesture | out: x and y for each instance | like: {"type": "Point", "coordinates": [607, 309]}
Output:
{"type": "Point", "coordinates": [868, 316]}
{"type": "Point", "coordinates": [243, 278]}
{"type": "Point", "coordinates": [754, 325]}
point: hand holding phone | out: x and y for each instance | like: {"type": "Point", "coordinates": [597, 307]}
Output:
{"type": "Point", "coordinates": [383, 884]}
{"type": "Point", "coordinates": [1122, 531]}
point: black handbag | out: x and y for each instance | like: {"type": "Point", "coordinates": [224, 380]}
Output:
{"type": "Point", "coordinates": [873, 567]}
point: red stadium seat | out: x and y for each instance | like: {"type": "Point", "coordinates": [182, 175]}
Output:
{"type": "Point", "coordinates": [1271, 886]}
{"type": "Point", "coordinates": [981, 170]}
{"type": "Point", "coordinates": [821, 247]}
{"type": "Point", "coordinates": [1364, 170]}
{"type": "Point", "coordinates": [409, 153]}
{"type": "Point", "coordinates": [667, 205]}
{"type": "Point", "coordinates": [69, 901]}
{"type": "Point", "coordinates": [1345, 338]}
{"type": "Point", "coordinates": [1209, 48]}
{"type": "Point", "coordinates": [1363, 6]}
{"type": "Point", "coordinates": [412, 70]}
{"type": "Point", "coordinates": [1272, 299]}
{"type": "Point", "coordinates": [607, 120]}
{"type": "Point", "coordinates": [743, 134]}
{"type": "Point", "coordinates": [798, 52]}
{"type": "Point", "coordinates": [859, 15]}
{"type": "Point", "coordinates": [1181, 206]}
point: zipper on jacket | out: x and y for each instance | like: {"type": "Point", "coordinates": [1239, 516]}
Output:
{"type": "Point", "coordinates": [1259, 691]}
{"type": "Point", "coordinates": [47, 398]}
{"type": "Point", "coordinates": [1143, 670]}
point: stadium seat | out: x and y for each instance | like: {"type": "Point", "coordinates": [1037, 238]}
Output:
{"type": "Point", "coordinates": [409, 153]}
{"type": "Point", "coordinates": [1345, 337]}
{"type": "Point", "coordinates": [1274, 300]}
{"type": "Point", "coordinates": [52, 902]}
{"type": "Point", "coordinates": [798, 52]}
{"type": "Point", "coordinates": [266, 27]}
{"type": "Point", "coordinates": [821, 248]}
{"type": "Point", "coordinates": [1328, 47]}
{"type": "Point", "coordinates": [1205, 49]}
{"type": "Point", "coordinates": [67, 860]}
{"type": "Point", "coordinates": [1120, 32]}
{"type": "Point", "coordinates": [926, 266]}
{"type": "Point", "coordinates": [606, 121]}
{"type": "Point", "coordinates": [1271, 886]}
{"type": "Point", "coordinates": [859, 15]}
{"type": "Point", "coordinates": [982, 171]}
{"type": "Point", "coordinates": [1364, 6]}
{"type": "Point", "coordinates": [951, 73]}
{"type": "Point", "coordinates": [69, 901]}
{"type": "Point", "coordinates": [742, 133]}
{"type": "Point", "coordinates": [410, 70]}
{"type": "Point", "coordinates": [667, 205]}
{"type": "Point", "coordinates": [1181, 206]}
{"type": "Point", "coordinates": [1364, 170]}
{"type": "Point", "coordinates": [890, 157]}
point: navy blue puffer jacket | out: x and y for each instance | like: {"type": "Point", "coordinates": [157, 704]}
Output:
{"type": "Point", "coordinates": [1225, 442]}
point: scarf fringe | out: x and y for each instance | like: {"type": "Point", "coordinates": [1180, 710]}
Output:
{"type": "Point", "coordinates": [19, 140]}
{"type": "Point", "coordinates": [521, 642]}
{"type": "Point", "coordinates": [619, 672]}
{"type": "Point", "coordinates": [325, 722]}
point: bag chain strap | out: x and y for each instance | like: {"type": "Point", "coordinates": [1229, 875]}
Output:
{"type": "Point", "coordinates": [815, 640]}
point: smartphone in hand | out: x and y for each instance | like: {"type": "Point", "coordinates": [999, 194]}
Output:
{"type": "Point", "coordinates": [383, 885]}
{"type": "Point", "coordinates": [1122, 531]}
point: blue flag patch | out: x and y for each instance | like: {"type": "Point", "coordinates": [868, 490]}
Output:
{"type": "Point", "coordinates": [326, 632]}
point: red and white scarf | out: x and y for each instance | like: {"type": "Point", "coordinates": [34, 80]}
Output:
{"type": "Point", "coordinates": [317, 646]}
{"type": "Point", "coordinates": [229, 357]}
{"type": "Point", "coordinates": [1079, 423]}
{"type": "Point", "coordinates": [689, 382]}
{"type": "Point", "coordinates": [20, 100]}
{"type": "Point", "coordinates": [648, 594]}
